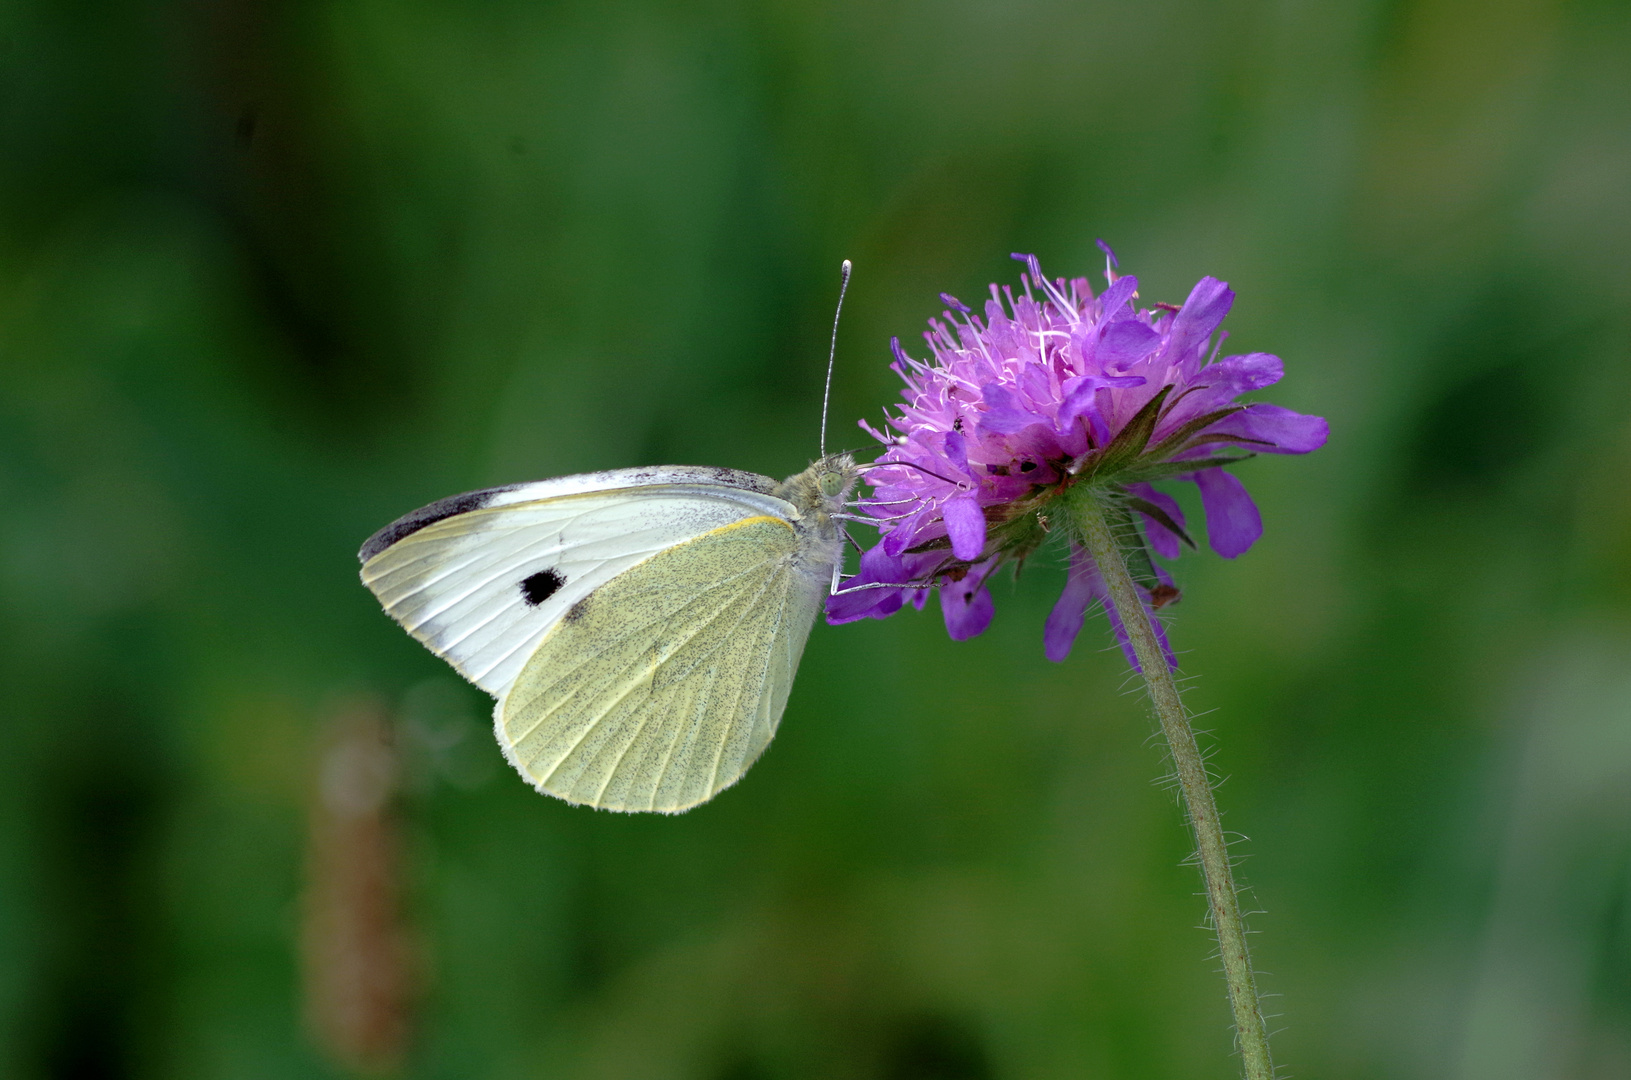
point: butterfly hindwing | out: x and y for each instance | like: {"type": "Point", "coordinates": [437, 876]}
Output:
{"type": "Point", "coordinates": [663, 685]}
{"type": "Point", "coordinates": [480, 578]}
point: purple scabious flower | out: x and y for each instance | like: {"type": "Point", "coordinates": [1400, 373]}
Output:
{"type": "Point", "coordinates": [1057, 395]}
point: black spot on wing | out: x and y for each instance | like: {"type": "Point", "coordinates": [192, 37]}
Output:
{"type": "Point", "coordinates": [440, 510]}
{"type": "Point", "coordinates": [541, 586]}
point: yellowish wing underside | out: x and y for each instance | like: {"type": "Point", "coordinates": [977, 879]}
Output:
{"type": "Point", "coordinates": [667, 682]}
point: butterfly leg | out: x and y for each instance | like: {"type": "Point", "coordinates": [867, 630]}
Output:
{"type": "Point", "coordinates": [927, 583]}
{"type": "Point", "coordinates": [838, 567]}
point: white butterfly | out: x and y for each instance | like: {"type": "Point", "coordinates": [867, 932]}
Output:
{"type": "Point", "coordinates": [640, 628]}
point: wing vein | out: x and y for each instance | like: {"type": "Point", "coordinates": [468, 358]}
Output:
{"type": "Point", "coordinates": [510, 558]}
{"type": "Point", "coordinates": [641, 627]}
{"type": "Point", "coordinates": [719, 754]}
{"type": "Point", "coordinates": [633, 683]}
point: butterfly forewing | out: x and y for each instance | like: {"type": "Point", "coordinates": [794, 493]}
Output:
{"type": "Point", "coordinates": [666, 683]}
{"type": "Point", "coordinates": [482, 584]}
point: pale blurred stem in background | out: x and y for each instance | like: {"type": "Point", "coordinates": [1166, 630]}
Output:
{"type": "Point", "coordinates": [1193, 781]}
{"type": "Point", "coordinates": [356, 943]}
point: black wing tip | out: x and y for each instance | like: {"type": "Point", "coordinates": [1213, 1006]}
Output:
{"type": "Point", "coordinates": [425, 516]}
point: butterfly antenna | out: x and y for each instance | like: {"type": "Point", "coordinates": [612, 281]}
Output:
{"type": "Point", "coordinates": [832, 353]}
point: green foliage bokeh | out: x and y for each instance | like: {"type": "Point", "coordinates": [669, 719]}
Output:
{"type": "Point", "coordinates": [272, 274]}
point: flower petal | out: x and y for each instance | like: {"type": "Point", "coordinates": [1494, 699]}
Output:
{"type": "Point", "coordinates": [1080, 399]}
{"type": "Point", "coordinates": [1082, 586]}
{"type": "Point", "coordinates": [967, 605]}
{"type": "Point", "coordinates": [1243, 374]}
{"type": "Point", "coordinates": [903, 535]}
{"type": "Point", "coordinates": [921, 526]}
{"type": "Point", "coordinates": [1003, 415]}
{"type": "Point", "coordinates": [965, 525]}
{"type": "Point", "coordinates": [1080, 395]}
{"type": "Point", "coordinates": [956, 450]}
{"type": "Point", "coordinates": [1289, 432]}
{"type": "Point", "coordinates": [1162, 539]}
{"type": "Point", "coordinates": [856, 604]}
{"type": "Point", "coordinates": [1209, 301]}
{"type": "Point", "coordinates": [1126, 342]}
{"type": "Point", "coordinates": [1232, 521]}
{"type": "Point", "coordinates": [1116, 296]}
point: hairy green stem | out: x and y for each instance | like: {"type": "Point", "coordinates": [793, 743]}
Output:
{"type": "Point", "coordinates": [1097, 536]}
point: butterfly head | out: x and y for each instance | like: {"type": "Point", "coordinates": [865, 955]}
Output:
{"type": "Point", "coordinates": [836, 475]}
{"type": "Point", "coordinates": [824, 487]}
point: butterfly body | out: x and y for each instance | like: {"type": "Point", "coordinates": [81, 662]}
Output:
{"type": "Point", "coordinates": [639, 628]}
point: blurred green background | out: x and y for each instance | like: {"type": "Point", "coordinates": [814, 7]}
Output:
{"type": "Point", "coordinates": [273, 272]}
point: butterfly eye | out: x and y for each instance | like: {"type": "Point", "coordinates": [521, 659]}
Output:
{"type": "Point", "coordinates": [831, 483]}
